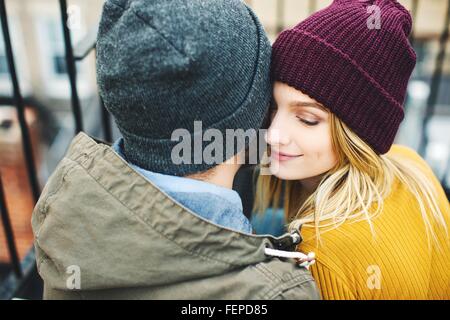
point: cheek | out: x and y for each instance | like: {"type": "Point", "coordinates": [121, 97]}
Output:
{"type": "Point", "coordinates": [325, 157]}
{"type": "Point", "coordinates": [318, 155]}
{"type": "Point", "coordinates": [315, 143]}
{"type": "Point", "coordinates": [322, 151]}
{"type": "Point", "coordinates": [317, 148]}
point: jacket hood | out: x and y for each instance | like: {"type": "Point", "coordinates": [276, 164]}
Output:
{"type": "Point", "coordinates": [100, 217]}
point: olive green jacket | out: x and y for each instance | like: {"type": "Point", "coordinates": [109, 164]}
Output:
{"type": "Point", "coordinates": [103, 231]}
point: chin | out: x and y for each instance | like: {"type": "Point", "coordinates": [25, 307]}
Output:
{"type": "Point", "coordinates": [284, 173]}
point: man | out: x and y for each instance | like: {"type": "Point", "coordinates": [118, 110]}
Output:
{"type": "Point", "coordinates": [132, 221]}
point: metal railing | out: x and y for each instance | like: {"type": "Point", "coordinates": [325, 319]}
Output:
{"type": "Point", "coordinates": [15, 281]}
{"type": "Point", "coordinates": [23, 270]}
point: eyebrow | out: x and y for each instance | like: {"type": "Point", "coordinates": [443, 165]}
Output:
{"type": "Point", "coordinates": [316, 105]}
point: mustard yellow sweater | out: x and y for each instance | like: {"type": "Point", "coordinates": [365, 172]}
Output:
{"type": "Point", "coordinates": [396, 264]}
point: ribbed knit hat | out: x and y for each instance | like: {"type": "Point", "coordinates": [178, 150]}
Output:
{"type": "Point", "coordinates": [163, 64]}
{"type": "Point", "coordinates": [340, 57]}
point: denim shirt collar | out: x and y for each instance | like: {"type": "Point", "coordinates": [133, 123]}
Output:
{"type": "Point", "coordinates": [214, 203]}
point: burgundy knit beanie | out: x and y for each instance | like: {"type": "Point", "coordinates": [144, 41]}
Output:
{"type": "Point", "coordinates": [357, 69]}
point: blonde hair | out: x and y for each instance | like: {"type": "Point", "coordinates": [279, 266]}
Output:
{"type": "Point", "coordinates": [353, 189]}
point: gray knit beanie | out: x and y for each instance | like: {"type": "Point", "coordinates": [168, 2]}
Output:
{"type": "Point", "coordinates": [163, 64]}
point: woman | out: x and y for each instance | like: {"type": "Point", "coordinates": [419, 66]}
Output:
{"type": "Point", "coordinates": [373, 213]}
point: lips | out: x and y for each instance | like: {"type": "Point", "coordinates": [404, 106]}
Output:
{"type": "Point", "coordinates": [280, 156]}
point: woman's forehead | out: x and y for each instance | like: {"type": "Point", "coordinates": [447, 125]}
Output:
{"type": "Point", "coordinates": [295, 98]}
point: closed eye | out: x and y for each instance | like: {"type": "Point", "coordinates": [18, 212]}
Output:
{"type": "Point", "coordinates": [308, 123]}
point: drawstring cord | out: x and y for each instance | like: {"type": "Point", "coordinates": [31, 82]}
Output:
{"type": "Point", "coordinates": [303, 260]}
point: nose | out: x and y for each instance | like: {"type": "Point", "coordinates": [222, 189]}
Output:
{"type": "Point", "coordinates": [275, 135]}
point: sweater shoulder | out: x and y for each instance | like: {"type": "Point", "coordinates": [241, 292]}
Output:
{"type": "Point", "coordinates": [408, 153]}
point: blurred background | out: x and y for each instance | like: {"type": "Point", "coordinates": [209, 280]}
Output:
{"type": "Point", "coordinates": [48, 93]}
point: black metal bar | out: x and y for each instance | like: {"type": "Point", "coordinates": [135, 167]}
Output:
{"type": "Point", "coordinates": [435, 82]}
{"type": "Point", "coordinates": [11, 286]}
{"type": "Point", "coordinates": [26, 141]}
{"type": "Point", "coordinates": [106, 122]}
{"type": "Point", "coordinates": [9, 233]}
{"type": "Point", "coordinates": [280, 16]}
{"type": "Point", "coordinates": [71, 68]}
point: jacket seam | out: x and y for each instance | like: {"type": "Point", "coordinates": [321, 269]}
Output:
{"type": "Point", "coordinates": [43, 208]}
{"type": "Point", "coordinates": [268, 273]}
{"type": "Point", "coordinates": [281, 285]}
{"type": "Point", "coordinates": [287, 285]}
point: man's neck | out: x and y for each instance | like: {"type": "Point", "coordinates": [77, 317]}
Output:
{"type": "Point", "coordinates": [222, 175]}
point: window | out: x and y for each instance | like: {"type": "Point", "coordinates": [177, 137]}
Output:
{"type": "Point", "coordinates": [19, 59]}
{"type": "Point", "coordinates": [53, 61]}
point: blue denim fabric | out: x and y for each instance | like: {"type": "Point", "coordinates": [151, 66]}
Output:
{"type": "Point", "coordinates": [219, 205]}
{"type": "Point", "coordinates": [270, 222]}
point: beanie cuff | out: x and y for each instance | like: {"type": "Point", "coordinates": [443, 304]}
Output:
{"type": "Point", "coordinates": [298, 54]}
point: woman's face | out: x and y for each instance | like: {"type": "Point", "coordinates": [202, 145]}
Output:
{"type": "Point", "coordinates": [299, 137]}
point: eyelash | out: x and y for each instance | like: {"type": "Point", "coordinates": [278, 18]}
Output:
{"type": "Point", "coordinates": [273, 109]}
{"type": "Point", "coordinates": [308, 123]}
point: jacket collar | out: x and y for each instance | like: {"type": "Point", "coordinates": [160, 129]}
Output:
{"type": "Point", "coordinates": [165, 215]}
